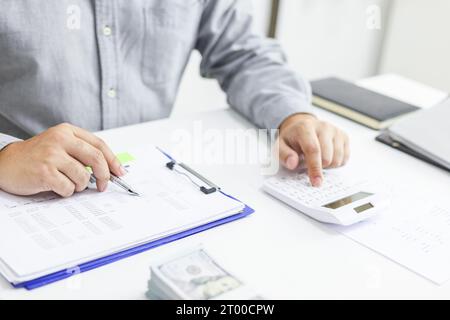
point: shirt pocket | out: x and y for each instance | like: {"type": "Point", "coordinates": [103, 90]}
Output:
{"type": "Point", "coordinates": [170, 33]}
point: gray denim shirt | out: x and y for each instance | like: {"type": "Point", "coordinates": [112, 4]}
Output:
{"type": "Point", "coordinates": [100, 64]}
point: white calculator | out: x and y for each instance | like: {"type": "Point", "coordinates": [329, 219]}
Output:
{"type": "Point", "coordinates": [338, 201]}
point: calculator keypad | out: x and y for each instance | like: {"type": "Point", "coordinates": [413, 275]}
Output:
{"type": "Point", "coordinates": [298, 188]}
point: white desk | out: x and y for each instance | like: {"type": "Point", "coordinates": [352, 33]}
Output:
{"type": "Point", "coordinates": [281, 252]}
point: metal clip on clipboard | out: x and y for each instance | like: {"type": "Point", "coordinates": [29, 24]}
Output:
{"type": "Point", "coordinates": [210, 188]}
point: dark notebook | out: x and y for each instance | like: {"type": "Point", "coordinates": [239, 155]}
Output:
{"type": "Point", "coordinates": [364, 106]}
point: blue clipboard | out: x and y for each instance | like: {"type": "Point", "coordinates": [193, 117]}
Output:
{"type": "Point", "coordinates": [63, 274]}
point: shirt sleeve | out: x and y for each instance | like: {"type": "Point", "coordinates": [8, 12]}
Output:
{"type": "Point", "coordinates": [251, 69]}
{"type": "Point", "coordinates": [5, 140]}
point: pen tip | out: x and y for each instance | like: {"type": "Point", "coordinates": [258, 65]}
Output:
{"type": "Point", "coordinates": [133, 193]}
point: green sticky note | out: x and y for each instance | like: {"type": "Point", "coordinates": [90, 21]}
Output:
{"type": "Point", "coordinates": [124, 157]}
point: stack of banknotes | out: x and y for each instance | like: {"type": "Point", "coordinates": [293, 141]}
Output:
{"type": "Point", "coordinates": [195, 275]}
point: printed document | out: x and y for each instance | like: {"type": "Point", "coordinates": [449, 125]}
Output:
{"type": "Point", "coordinates": [412, 232]}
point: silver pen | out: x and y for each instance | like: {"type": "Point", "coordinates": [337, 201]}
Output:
{"type": "Point", "coordinates": [118, 182]}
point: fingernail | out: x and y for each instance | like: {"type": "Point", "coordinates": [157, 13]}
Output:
{"type": "Point", "coordinates": [291, 162]}
{"type": "Point", "coordinates": [123, 171]}
{"type": "Point", "coordinates": [317, 181]}
{"type": "Point", "coordinates": [101, 186]}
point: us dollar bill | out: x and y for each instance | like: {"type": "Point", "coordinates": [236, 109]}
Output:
{"type": "Point", "coordinates": [196, 276]}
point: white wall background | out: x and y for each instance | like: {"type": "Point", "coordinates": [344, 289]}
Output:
{"type": "Point", "coordinates": [331, 37]}
{"type": "Point", "coordinates": [417, 43]}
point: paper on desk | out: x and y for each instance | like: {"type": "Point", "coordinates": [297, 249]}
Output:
{"type": "Point", "coordinates": [413, 233]}
{"type": "Point", "coordinates": [404, 89]}
{"type": "Point", "coordinates": [39, 236]}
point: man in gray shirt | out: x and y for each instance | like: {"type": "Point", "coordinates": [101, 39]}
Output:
{"type": "Point", "coordinates": [69, 68]}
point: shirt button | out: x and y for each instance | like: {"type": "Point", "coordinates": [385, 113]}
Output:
{"type": "Point", "coordinates": [107, 31]}
{"type": "Point", "coordinates": [112, 93]}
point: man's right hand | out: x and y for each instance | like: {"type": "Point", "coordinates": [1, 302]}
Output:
{"type": "Point", "coordinates": [56, 160]}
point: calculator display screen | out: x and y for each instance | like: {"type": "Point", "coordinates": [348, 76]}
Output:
{"type": "Point", "coordinates": [347, 200]}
